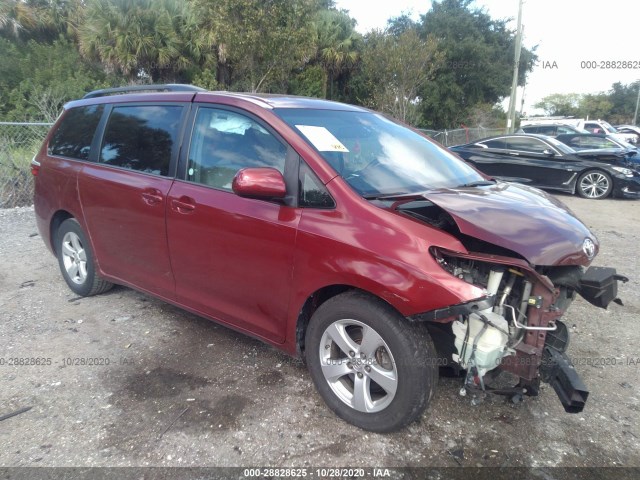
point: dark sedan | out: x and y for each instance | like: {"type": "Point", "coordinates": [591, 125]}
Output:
{"type": "Point", "coordinates": [593, 141]}
{"type": "Point", "coordinates": [544, 162]}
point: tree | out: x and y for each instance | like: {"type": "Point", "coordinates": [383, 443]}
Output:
{"type": "Point", "coordinates": [259, 43]}
{"type": "Point", "coordinates": [16, 17]}
{"type": "Point", "coordinates": [142, 39]}
{"type": "Point", "coordinates": [560, 104]}
{"type": "Point", "coordinates": [487, 116]}
{"type": "Point", "coordinates": [478, 63]}
{"type": "Point", "coordinates": [41, 20]}
{"type": "Point", "coordinates": [595, 105]}
{"type": "Point", "coordinates": [58, 17]}
{"type": "Point", "coordinates": [396, 26]}
{"type": "Point", "coordinates": [309, 81]}
{"type": "Point", "coordinates": [40, 78]}
{"type": "Point", "coordinates": [337, 46]}
{"type": "Point", "coordinates": [398, 67]}
{"type": "Point", "coordinates": [623, 100]}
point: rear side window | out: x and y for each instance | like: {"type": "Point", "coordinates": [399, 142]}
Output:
{"type": "Point", "coordinates": [141, 137]}
{"type": "Point", "coordinates": [497, 143]}
{"type": "Point", "coordinates": [74, 135]}
{"type": "Point", "coordinates": [527, 145]}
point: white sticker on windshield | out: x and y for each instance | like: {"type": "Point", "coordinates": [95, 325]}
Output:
{"type": "Point", "coordinates": [322, 139]}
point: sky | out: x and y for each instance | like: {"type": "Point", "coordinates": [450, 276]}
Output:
{"type": "Point", "coordinates": [567, 32]}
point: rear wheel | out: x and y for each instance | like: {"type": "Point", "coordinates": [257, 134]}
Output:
{"type": "Point", "coordinates": [594, 184]}
{"type": "Point", "coordinates": [372, 368]}
{"type": "Point", "coordinates": [76, 260]}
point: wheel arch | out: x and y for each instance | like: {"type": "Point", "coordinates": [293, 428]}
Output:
{"type": "Point", "coordinates": [56, 220]}
{"type": "Point", "coordinates": [313, 302]}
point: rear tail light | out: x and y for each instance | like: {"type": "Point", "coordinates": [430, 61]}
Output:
{"type": "Point", "coordinates": [35, 167]}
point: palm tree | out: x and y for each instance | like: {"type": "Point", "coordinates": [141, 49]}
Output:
{"type": "Point", "coordinates": [337, 45]}
{"type": "Point", "coordinates": [143, 39]}
{"type": "Point", "coordinates": [57, 17]}
{"type": "Point", "coordinates": [15, 17]}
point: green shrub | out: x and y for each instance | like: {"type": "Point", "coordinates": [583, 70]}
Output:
{"type": "Point", "coordinates": [16, 182]}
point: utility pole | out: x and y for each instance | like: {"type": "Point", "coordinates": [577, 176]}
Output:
{"type": "Point", "coordinates": [635, 115]}
{"type": "Point", "coordinates": [524, 88]}
{"type": "Point", "coordinates": [511, 115]}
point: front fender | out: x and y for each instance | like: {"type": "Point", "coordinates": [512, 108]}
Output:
{"type": "Point", "coordinates": [390, 261]}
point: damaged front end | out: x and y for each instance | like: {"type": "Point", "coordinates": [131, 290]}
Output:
{"type": "Point", "coordinates": [521, 332]}
{"type": "Point", "coordinates": [516, 327]}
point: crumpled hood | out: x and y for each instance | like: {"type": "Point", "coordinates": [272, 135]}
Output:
{"type": "Point", "coordinates": [519, 218]}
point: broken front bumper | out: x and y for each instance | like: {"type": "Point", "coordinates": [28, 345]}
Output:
{"type": "Point", "coordinates": [540, 355]}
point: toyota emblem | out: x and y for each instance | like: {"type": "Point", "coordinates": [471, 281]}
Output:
{"type": "Point", "coordinates": [589, 248]}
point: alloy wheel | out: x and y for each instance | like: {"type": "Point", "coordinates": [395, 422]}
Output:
{"type": "Point", "coordinates": [594, 185]}
{"type": "Point", "coordinates": [74, 258]}
{"type": "Point", "coordinates": [358, 365]}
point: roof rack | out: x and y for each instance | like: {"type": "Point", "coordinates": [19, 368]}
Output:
{"type": "Point", "coordinates": [171, 87]}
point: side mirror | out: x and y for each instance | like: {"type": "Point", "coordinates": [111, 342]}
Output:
{"type": "Point", "coordinates": [259, 183]}
{"type": "Point", "coordinates": [549, 153]}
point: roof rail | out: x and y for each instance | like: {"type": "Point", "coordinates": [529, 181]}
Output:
{"type": "Point", "coordinates": [171, 87]}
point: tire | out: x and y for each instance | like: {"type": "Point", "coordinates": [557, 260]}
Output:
{"type": "Point", "coordinates": [594, 184]}
{"type": "Point", "coordinates": [75, 258]}
{"type": "Point", "coordinates": [397, 354]}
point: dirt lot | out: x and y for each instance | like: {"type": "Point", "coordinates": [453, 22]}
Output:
{"type": "Point", "coordinates": [172, 389]}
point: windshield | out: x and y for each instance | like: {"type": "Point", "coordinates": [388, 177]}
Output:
{"type": "Point", "coordinates": [559, 145]}
{"type": "Point", "coordinates": [608, 127]}
{"type": "Point", "coordinates": [377, 156]}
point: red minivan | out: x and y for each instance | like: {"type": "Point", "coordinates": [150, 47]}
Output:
{"type": "Point", "coordinates": [327, 230]}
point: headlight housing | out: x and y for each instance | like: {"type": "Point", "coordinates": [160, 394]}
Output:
{"type": "Point", "coordinates": [625, 171]}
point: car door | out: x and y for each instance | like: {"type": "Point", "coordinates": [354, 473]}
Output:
{"type": "Point", "coordinates": [539, 163]}
{"type": "Point", "coordinates": [489, 156]}
{"type": "Point", "coordinates": [123, 195]}
{"type": "Point", "coordinates": [232, 257]}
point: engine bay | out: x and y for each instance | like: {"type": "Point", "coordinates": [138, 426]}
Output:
{"type": "Point", "coordinates": [517, 326]}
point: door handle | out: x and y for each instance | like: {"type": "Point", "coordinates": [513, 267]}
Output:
{"type": "Point", "coordinates": [183, 204]}
{"type": "Point", "coordinates": [152, 196]}
{"type": "Point", "coordinates": [515, 154]}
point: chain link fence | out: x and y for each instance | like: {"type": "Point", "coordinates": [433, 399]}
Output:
{"type": "Point", "coordinates": [449, 138]}
{"type": "Point", "coordinates": [19, 142]}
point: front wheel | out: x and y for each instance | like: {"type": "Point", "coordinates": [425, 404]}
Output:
{"type": "Point", "coordinates": [76, 260]}
{"type": "Point", "coordinates": [594, 184]}
{"type": "Point", "coordinates": [371, 367]}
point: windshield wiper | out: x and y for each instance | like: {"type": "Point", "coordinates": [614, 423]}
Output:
{"type": "Point", "coordinates": [478, 183]}
{"type": "Point", "coordinates": [401, 195]}
{"type": "Point", "coordinates": [391, 196]}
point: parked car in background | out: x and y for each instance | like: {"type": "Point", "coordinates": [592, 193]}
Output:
{"type": "Point", "coordinates": [545, 162]}
{"type": "Point", "coordinates": [591, 126]}
{"type": "Point", "coordinates": [326, 230]}
{"type": "Point", "coordinates": [591, 141]}
{"type": "Point", "coordinates": [629, 129]}
{"type": "Point", "coordinates": [602, 127]}
{"type": "Point", "coordinates": [551, 130]}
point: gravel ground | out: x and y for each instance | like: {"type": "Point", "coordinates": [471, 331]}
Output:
{"type": "Point", "coordinates": [172, 389]}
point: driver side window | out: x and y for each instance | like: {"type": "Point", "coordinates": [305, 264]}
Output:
{"type": "Point", "coordinates": [224, 142]}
